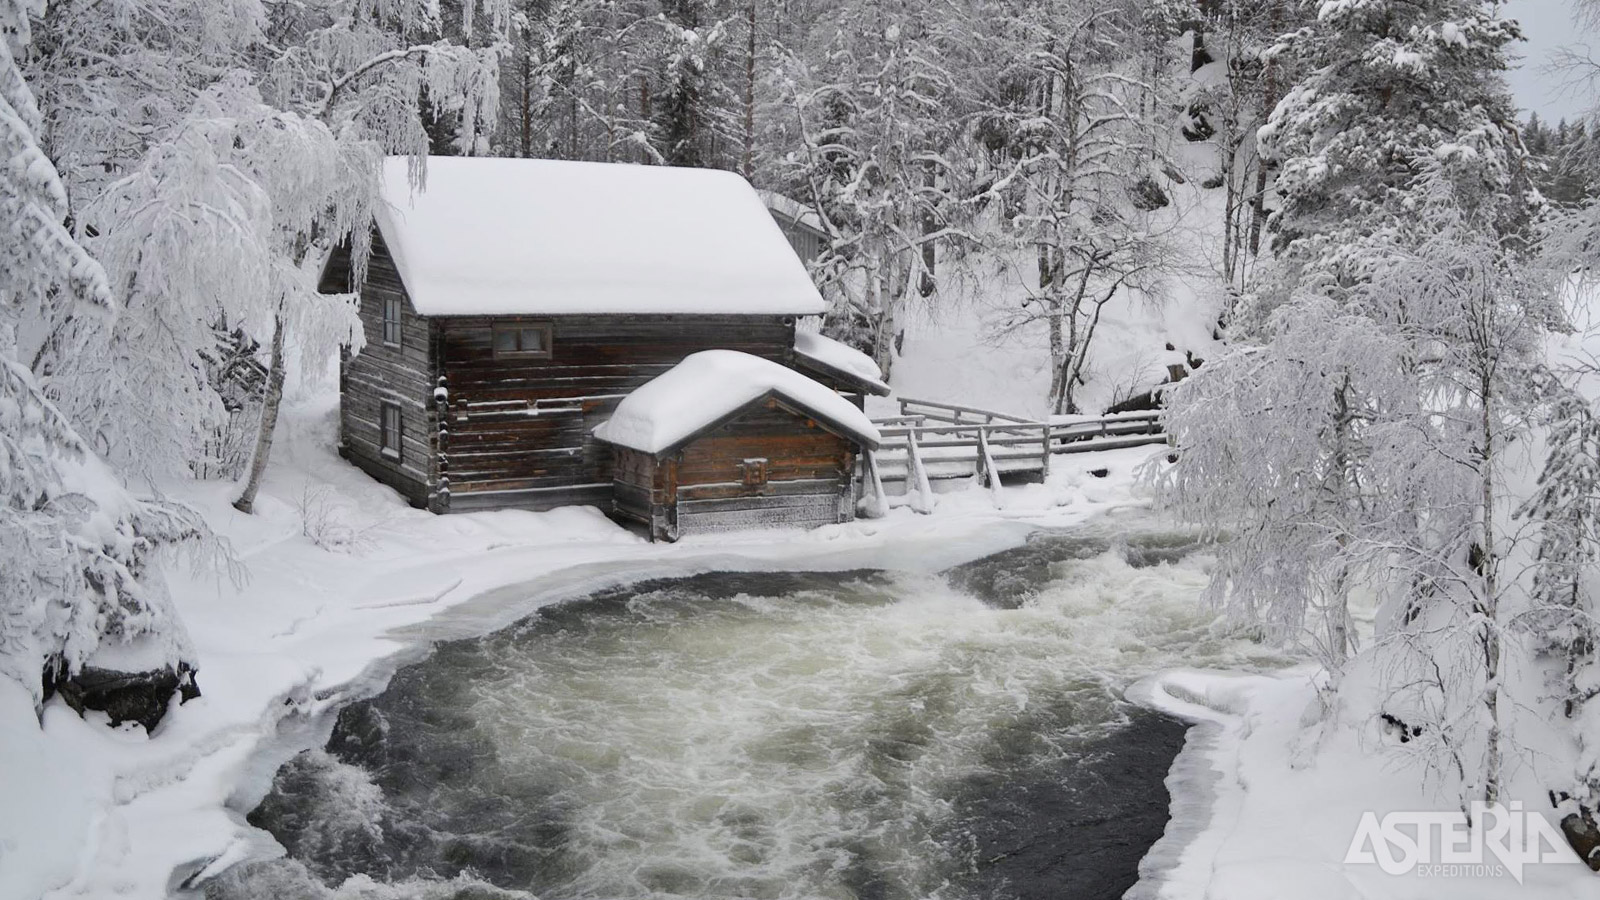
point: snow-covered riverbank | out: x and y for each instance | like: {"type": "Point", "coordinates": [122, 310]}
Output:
{"type": "Point", "coordinates": [340, 580]}
{"type": "Point", "coordinates": [1266, 803]}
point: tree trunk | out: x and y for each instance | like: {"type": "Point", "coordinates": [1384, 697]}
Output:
{"type": "Point", "coordinates": [1490, 601]}
{"type": "Point", "coordinates": [1269, 100]}
{"type": "Point", "coordinates": [1337, 608]}
{"type": "Point", "coordinates": [269, 420]}
{"type": "Point", "coordinates": [750, 99]}
{"type": "Point", "coordinates": [526, 105]}
{"type": "Point", "coordinates": [1058, 359]}
{"type": "Point", "coordinates": [881, 309]}
{"type": "Point", "coordinates": [1049, 275]}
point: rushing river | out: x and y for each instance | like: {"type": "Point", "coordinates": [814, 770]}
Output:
{"type": "Point", "coordinates": [842, 735]}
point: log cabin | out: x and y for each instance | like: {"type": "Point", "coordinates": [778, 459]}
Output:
{"type": "Point", "coordinates": [508, 306]}
{"type": "Point", "coordinates": [726, 440]}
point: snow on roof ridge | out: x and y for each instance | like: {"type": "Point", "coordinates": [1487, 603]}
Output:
{"type": "Point", "coordinates": [504, 236]}
{"type": "Point", "coordinates": [711, 384]}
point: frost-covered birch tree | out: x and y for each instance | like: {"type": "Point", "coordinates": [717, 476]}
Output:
{"type": "Point", "coordinates": [876, 121]}
{"type": "Point", "coordinates": [1473, 316]}
{"type": "Point", "coordinates": [1391, 92]}
{"type": "Point", "coordinates": [1075, 168]}
{"type": "Point", "coordinates": [224, 217]}
{"type": "Point", "coordinates": [79, 556]}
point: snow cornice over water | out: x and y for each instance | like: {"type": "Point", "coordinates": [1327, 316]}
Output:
{"type": "Point", "coordinates": [487, 236]}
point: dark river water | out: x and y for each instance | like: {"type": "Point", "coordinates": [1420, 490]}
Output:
{"type": "Point", "coordinates": [858, 735]}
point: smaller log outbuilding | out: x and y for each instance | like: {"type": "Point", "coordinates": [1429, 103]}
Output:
{"type": "Point", "coordinates": [726, 440]}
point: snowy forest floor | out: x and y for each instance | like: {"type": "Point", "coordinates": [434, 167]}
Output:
{"type": "Point", "coordinates": [341, 583]}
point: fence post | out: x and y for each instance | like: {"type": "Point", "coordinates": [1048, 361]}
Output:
{"type": "Point", "coordinates": [879, 506]}
{"type": "Point", "coordinates": [990, 471]}
{"type": "Point", "coordinates": [924, 501]}
{"type": "Point", "coordinates": [1044, 470]}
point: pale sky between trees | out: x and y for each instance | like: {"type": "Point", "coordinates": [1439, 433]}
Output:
{"type": "Point", "coordinates": [1549, 26]}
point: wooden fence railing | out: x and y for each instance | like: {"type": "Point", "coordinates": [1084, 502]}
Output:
{"type": "Point", "coordinates": [965, 441]}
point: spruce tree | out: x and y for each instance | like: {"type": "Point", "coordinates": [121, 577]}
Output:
{"type": "Point", "coordinates": [1389, 86]}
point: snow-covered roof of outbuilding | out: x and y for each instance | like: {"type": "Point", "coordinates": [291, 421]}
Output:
{"type": "Point", "coordinates": [711, 385]}
{"type": "Point", "coordinates": [833, 358]}
{"type": "Point", "coordinates": [547, 237]}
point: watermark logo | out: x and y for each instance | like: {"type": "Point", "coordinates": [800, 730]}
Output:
{"type": "Point", "coordinates": [1441, 844]}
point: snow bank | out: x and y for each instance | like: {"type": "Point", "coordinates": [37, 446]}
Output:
{"type": "Point", "coordinates": [50, 792]}
{"type": "Point", "coordinates": [548, 237]}
{"type": "Point", "coordinates": [712, 384]}
{"type": "Point", "coordinates": [834, 355]}
{"type": "Point", "coordinates": [1268, 794]}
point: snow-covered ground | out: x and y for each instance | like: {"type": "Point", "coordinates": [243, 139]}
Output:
{"type": "Point", "coordinates": [1266, 805]}
{"type": "Point", "coordinates": [339, 583]}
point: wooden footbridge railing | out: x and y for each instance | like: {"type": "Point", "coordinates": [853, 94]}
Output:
{"type": "Point", "coordinates": [931, 441]}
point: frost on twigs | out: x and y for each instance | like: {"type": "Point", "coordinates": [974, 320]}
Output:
{"type": "Point", "coordinates": [79, 556]}
{"type": "Point", "coordinates": [330, 524]}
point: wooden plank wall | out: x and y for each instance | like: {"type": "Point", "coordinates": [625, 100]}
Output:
{"type": "Point", "coordinates": [550, 459]}
{"type": "Point", "coordinates": [812, 459]}
{"type": "Point", "coordinates": [809, 474]}
{"type": "Point", "coordinates": [402, 375]}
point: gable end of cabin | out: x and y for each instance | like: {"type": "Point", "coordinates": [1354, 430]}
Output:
{"type": "Point", "coordinates": [388, 424]}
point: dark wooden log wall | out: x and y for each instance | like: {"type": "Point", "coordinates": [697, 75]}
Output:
{"type": "Point", "coordinates": [401, 375]}
{"type": "Point", "coordinates": [701, 488]}
{"type": "Point", "coordinates": [511, 457]}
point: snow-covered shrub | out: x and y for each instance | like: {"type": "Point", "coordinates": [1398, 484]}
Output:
{"type": "Point", "coordinates": [328, 523]}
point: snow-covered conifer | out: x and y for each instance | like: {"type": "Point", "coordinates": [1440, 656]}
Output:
{"type": "Point", "coordinates": [1388, 85]}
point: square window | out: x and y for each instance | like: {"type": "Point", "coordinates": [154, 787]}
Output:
{"type": "Point", "coordinates": [389, 426]}
{"type": "Point", "coordinates": [522, 341]}
{"type": "Point", "coordinates": [505, 342]}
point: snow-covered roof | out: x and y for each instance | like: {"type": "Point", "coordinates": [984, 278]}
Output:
{"type": "Point", "coordinates": [547, 237]}
{"type": "Point", "coordinates": [713, 384]}
{"type": "Point", "coordinates": [832, 355]}
{"type": "Point", "coordinates": [791, 209]}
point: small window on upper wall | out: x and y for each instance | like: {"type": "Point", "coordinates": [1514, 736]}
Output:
{"type": "Point", "coordinates": [389, 425]}
{"type": "Point", "coordinates": [522, 341]}
{"type": "Point", "coordinates": [391, 321]}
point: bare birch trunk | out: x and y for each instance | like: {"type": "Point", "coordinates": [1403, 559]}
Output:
{"type": "Point", "coordinates": [269, 420]}
{"type": "Point", "coordinates": [1337, 611]}
{"type": "Point", "coordinates": [1490, 602]}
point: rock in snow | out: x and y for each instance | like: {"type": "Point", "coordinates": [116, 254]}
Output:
{"type": "Point", "coordinates": [141, 696]}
